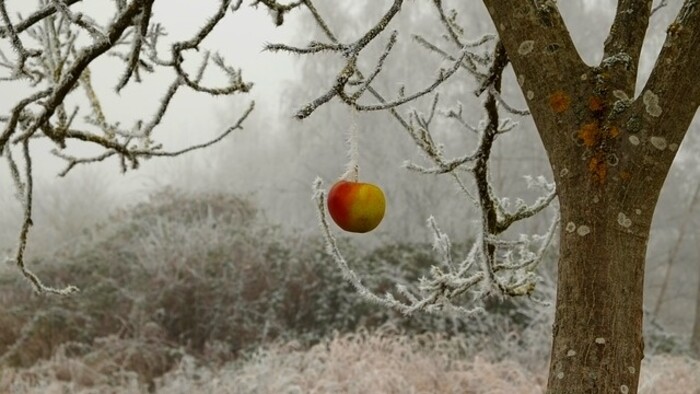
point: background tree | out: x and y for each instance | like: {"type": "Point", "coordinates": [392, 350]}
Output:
{"type": "Point", "coordinates": [610, 145]}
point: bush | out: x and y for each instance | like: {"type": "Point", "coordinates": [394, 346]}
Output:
{"type": "Point", "coordinates": [209, 272]}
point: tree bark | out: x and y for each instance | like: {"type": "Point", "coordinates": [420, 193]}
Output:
{"type": "Point", "coordinates": [598, 344]}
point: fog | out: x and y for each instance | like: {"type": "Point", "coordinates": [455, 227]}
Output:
{"type": "Point", "coordinates": [275, 158]}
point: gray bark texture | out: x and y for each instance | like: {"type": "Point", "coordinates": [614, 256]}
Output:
{"type": "Point", "coordinates": [610, 149]}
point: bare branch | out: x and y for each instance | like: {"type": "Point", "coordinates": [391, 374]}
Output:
{"type": "Point", "coordinates": [662, 4]}
{"type": "Point", "coordinates": [16, 113]}
{"type": "Point", "coordinates": [626, 38]}
{"type": "Point", "coordinates": [22, 53]}
{"type": "Point", "coordinates": [32, 19]}
{"type": "Point", "coordinates": [351, 54]}
{"type": "Point", "coordinates": [78, 19]}
{"type": "Point", "coordinates": [38, 285]}
{"type": "Point", "coordinates": [442, 77]}
{"type": "Point", "coordinates": [278, 10]}
{"type": "Point", "coordinates": [62, 67]}
{"type": "Point", "coordinates": [73, 74]}
{"type": "Point", "coordinates": [134, 154]}
{"type": "Point", "coordinates": [137, 44]}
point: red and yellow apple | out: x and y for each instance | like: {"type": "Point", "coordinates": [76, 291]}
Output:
{"type": "Point", "coordinates": [356, 207]}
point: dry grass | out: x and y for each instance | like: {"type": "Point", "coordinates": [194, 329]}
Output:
{"type": "Point", "coordinates": [362, 363]}
{"type": "Point", "coordinates": [383, 362]}
{"type": "Point", "coordinates": [670, 374]}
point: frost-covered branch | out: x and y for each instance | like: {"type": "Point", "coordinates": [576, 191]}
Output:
{"type": "Point", "coordinates": [349, 51]}
{"type": "Point", "coordinates": [494, 265]}
{"type": "Point", "coordinates": [438, 292]}
{"type": "Point", "coordinates": [54, 49]}
{"type": "Point", "coordinates": [277, 9]}
{"type": "Point", "coordinates": [448, 284]}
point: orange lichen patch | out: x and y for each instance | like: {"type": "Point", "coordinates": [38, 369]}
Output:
{"type": "Point", "coordinates": [590, 134]}
{"type": "Point", "coordinates": [613, 132]}
{"type": "Point", "coordinates": [595, 104]}
{"type": "Point", "coordinates": [559, 101]}
{"type": "Point", "coordinates": [625, 175]}
{"type": "Point", "coordinates": [598, 167]}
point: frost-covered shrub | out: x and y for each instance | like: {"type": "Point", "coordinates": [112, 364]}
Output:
{"type": "Point", "coordinates": [209, 271]}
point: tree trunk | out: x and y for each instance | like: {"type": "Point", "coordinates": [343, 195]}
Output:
{"type": "Point", "coordinates": [610, 146]}
{"type": "Point", "coordinates": [598, 344]}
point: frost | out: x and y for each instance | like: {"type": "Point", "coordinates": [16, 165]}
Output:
{"type": "Point", "coordinates": [623, 220]}
{"type": "Point", "coordinates": [620, 57]}
{"type": "Point", "coordinates": [634, 140]}
{"type": "Point", "coordinates": [658, 142]}
{"type": "Point", "coordinates": [539, 182]}
{"type": "Point", "coordinates": [571, 353]}
{"type": "Point", "coordinates": [631, 369]}
{"type": "Point", "coordinates": [583, 230]}
{"type": "Point", "coordinates": [624, 389]}
{"type": "Point", "coordinates": [560, 375]}
{"type": "Point", "coordinates": [510, 272]}
{"type": "Point", "coordinates": [600, 341]}
{"type": "Point", "coordinates": [570, 227]}
{"type": "Point", "coordinates": [526, 47]}
{"type": "Point", "coordinates": [651, 103]}
{"type": "Point", "coordinates": [441, 243]}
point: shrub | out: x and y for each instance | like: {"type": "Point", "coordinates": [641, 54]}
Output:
{"type": "Point", "coordinates": [208, 271]}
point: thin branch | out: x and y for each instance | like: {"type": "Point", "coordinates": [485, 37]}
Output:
{"type": "Point", "coordinates": [33, 19]}
{"type": "Point", "coordinates": [134, 154]}
{"type": "Point", "coordinates": [38, 285]}
{"type": "Point", "coordinates": [73, 74]}
{"type": "Point", "coordinates": [22, 53]}
{"type": "Point", "coordinates": [662, 4]}
{"type": "Point", "coordinates": [350, 67]}
{"type": "Point", "coordinates": [442, 77]}
{"type": "Point", "coordinates": [78, 19]}
{"type": "Point", "coordinates": [137, 44]}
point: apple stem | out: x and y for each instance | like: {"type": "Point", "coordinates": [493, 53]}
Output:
{"type": "Point", "coordinates": [352, 169]}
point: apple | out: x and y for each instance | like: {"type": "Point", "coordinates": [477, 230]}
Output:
{"type": "Point", "coordinates": [355, 206]}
